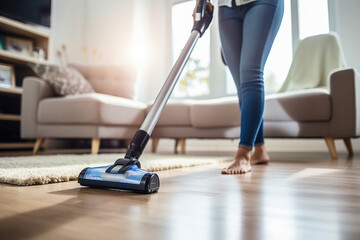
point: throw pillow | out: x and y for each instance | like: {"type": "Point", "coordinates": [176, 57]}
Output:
{"type": "Point", "coordinates": [64, 80]}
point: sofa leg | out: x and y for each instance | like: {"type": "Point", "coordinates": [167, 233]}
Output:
{"type": "Point", "coordinates": [176, 146]}
{"type": "Point", "coordinates": [182, 145]}
{"type": "Point", "coordinates": [330, 142]}
{"type": "Point", "coordinates": [348, 145]}
{"type": "Point", "coordinates": [127, 143]}
{"type": "Point", "coordinates": [95, 145]}
{"type": "Point", "coordinates": [38, 143]}
{"type": "Point", "coordinates": [154, 145]}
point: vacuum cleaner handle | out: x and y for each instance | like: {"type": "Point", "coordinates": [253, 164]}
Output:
{"type": "Point", "coordinates": [203, 17]}
{"type": "Point", "coordinates": [138, 143]}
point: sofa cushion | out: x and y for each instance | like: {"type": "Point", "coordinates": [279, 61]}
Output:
{"type": "Point", "coordinates": [92, 108]}
{"type": "Point", "coordinates": [221, 112]}
{"type": "Point", "coordinates": [299, 105]}
{"type": "Point", "coordinates": [175, 113]}
{"type": "Point", "coordinates": [116, 80]}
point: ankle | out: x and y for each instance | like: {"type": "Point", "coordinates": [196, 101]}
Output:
{"type": "Point", "coordinates": [260, 149]}
{"type": "Point", "coordinates": [243, 153]}
{"type": "Point", "coordinates": [260, 155]}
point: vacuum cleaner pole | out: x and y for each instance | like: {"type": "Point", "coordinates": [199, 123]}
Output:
{"type": "Point", "coordinates": [165, 92]}
{"type": "Point", "coordinates": [142, 136]}
{"type": "Point", "coordinates": [203, 18]}
{"type": "Point", "coordinates": [126, 173]}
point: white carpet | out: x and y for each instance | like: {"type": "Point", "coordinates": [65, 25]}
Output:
{"type": "Point", "coordinates": [62, 168]}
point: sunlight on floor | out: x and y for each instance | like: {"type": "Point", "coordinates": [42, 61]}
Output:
{"type": "Point", "coordinates": [311, 172]}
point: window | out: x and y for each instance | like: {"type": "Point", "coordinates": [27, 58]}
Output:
{"type": "Point", "coordinates": [313, 17]}
{"type": "Point", "coordinates": [230, 85]}
{"type": "Point", "coordinates": [194, 80]}
{"type": "Point", "coordinates": [280, 57]}
{"type": "Point", "coordinates": [302, 18]}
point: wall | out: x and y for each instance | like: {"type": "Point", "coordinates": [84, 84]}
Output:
{"type": "Point", "coordinates": [346, 23]}
{"type": "Point", "coordinates": [93, 31]}
{"type": "Point", "coordinates": [116, 31]}
{"type": "Point", "coordinates": [67, 27]}
{"type": "Point", "coordinates": [151, 36]}
{"type": "Point", "coordinates": [108, 30]}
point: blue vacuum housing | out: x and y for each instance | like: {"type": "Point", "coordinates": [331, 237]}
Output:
{"type": "Point", "coordinates": [125, 173]}
{"type": "Point", "coordinates": [133, 178]}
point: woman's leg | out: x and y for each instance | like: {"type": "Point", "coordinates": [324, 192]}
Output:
{"type": "Point", "coordinates": [260, 155]}
{"type": "Point", "coordinates": [259, 25]}
{"type": "Point", "coordinates": [231, 21]}
{"type": "Point", "coordinates": [230, 28]}
{"type": "Point", "coordinates": [259, 34]}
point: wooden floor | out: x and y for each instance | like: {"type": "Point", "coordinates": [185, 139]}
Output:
{"type": "Point", "coordinates": [297, 196]}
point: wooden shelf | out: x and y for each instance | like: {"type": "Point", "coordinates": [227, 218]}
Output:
{"type": "Point", "coordinates": [10, 56]}
{"type": "Point", "coordinates": [10, 117]}
{"type": "Point", "coordinates": [40, 38]}
{"type": "Point", "coordinates": [16, 145]}
{"type": "Point", "coordinates": [22, 29]}
{"type": "Point", "coordinates": [11, 90]}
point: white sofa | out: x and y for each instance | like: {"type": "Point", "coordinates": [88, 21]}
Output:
{"type": "Point", "coordinates": [327, 107]}
{"type": "Point", "coordinates": [315, 113]}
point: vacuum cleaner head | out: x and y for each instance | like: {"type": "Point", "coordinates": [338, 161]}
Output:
{"type": "Point", "coordinates": [124, 174]}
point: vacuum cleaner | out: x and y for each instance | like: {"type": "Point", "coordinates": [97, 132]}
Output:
{"type": "Point", "coordinates": [126, 173]}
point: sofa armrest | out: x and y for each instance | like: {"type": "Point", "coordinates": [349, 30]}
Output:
{"type": "Point", "coordinates": [345, 97]}
{"type": "Point", "coordinates": [34, 90]}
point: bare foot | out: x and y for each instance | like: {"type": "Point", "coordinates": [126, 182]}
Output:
{"type": "Point", "coordinates": [241, 163]}
{"type": "Point", "coordinates": [260, 156]}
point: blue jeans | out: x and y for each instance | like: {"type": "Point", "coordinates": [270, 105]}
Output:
{"type": "Point", "coordinates": [247, 33]}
